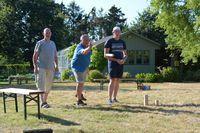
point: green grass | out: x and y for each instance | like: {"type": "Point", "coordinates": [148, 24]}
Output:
{"type": "Point", "coordinates": [179, 110]}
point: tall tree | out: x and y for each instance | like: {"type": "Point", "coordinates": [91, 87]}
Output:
{"type": "Point", "coordinates": [181, 21]}
{"type": "Point", "coordinates": [115, 17]}
{"type": "Point", "coordinates": [145, 25]}
{"type": "Point", "coordinates": [23, 22]}
{"type": "Point", "coordinates": [75, 22]}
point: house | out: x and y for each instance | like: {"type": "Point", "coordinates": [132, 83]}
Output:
{"type": "Point", "coordinates": [141, 53]}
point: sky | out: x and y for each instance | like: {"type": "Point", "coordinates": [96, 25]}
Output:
{"type": "Point", "coordinates": [130, 8]}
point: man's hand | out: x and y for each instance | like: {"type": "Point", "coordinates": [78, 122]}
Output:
{"type": "Point", "coordinates": [90, 44]}
{"type": "Point", "coordinates": [120, 61]}
{"type": "Point", "coordinates": [56, 69]}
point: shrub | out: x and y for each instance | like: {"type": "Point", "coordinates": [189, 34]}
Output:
{"type": "Point", "coordinates": [170, 74]}
{"type": "Point", "coordinates": [67, 75]}
{"type": "Point", "coordinates": [196, 75]}
{"type": "Point", "coordinates": [71, 51]}
{"type": "Point", "coordinates": [126, 75]}
{"type": "Point", "coordinates": [14, 69]}
{"type": "Point", "coordinates": [140, 76]}
{"type": "Point", "coordinates": [95, 74]}
{"type": "Point", "coordinates": [189, 75]}
{"type": "Point", "coordinates": [153, 77]}
{"type": "Point", "coordinates": [149, 77]}
{"type": "Point", "coordinates": [98, 62]}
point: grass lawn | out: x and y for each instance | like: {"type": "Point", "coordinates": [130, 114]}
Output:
{"type": "Point", "coordinates": [179, 110]}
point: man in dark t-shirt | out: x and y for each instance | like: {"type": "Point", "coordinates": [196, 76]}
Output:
{"type": "Point", "coordinates": [115, 52]}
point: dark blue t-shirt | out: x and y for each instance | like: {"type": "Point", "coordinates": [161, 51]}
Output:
{"type": "Point", "coordinates": [116, 47]}
{"type": "Point", "coordinates": [80, 62]}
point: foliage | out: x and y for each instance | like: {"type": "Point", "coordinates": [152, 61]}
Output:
{"type": "Point", "coordinates": [140, 76]}
{"type": "Point", "coordinates": [153, 77]}
{"type": "Point", "coordinates": [149, 77]}
{"type": "Point", "coordinates": [67, 75]}
{"type": "Point", "coordinates": [21, 24]}
{"type": "Point", "coordinates": [98, 61]}
{"type": "Point", "coordinates": [145, 26]}
{"type": "Point", "coordinates": [192, 75]}
{"type": "Point", "coordinates": [181, 22]}
{"type": "Point", "coordinates": [71, 51]}
{"type": "Point", "coordinates": [126, 75]}
{"type": "Point", "coordinates": [94, 74]}
{"type": "Point", "coordinates": [115, 17]}
{"type": "Point", "coordinates": [197, 75]}
{"type": "Point", "coordinates": [13, 69]}
{"type": "Point", "coordinates": [170, 74]}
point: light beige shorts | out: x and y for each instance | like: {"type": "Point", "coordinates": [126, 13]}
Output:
{"type": "Point", "coordinates": [44, 79]}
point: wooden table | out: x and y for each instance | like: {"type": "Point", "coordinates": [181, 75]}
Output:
{"type": "Point", "coordinates": [19, 79]}
{"type": "Point", "coordinates": [138, 82]}
{"type": "Point", "coordinates": [27, 97]}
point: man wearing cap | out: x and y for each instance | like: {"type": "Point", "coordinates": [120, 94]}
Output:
{"type": "Point", "coordinates": [80, 63]}
{"type": "Point", "coordinates": [116, 47]}
{"type": "Point", "coordinates": [45, 62]}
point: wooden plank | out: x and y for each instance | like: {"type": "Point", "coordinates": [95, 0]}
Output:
{"type": "Point", "coordinates": [21, 91]}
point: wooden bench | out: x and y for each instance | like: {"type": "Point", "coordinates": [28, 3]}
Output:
{"type": "Point", "coordinates": [138, 82]}
{"type": "Point", "coordinates": [27, 97]}
{"type": "Point", "coordinates": [19, 79]}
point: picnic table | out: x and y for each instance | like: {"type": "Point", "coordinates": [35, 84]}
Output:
{"type": "Point", "coordinates": [18, 78]}
{"type": "Point", "coordinates": [27, 97]}
{"type": "Point", "coordinates": [138, 82]}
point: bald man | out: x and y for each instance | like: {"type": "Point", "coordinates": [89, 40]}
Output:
{"type": "Point", "coordinates": [45, 63]}
{"type": "Point", "coordinates": [80, 63]}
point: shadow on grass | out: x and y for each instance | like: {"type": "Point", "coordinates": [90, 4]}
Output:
{"type": "Point", "coordinates": [181, 105]}
{"type": "Point", "coordinates": [58, 120]}
{"type": "Point", "coordinates": [63, 87]}
{"type": "Point", "coordinates": [139, 109]}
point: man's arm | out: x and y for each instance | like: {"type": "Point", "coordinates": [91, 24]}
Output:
{"type": "Point", "coordinates": [56, 61]}
{"type": "Point", "coordinates": [35, 58]}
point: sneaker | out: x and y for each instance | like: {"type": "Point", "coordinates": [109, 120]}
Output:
{"type": "Point", "coordinates": [45, 105]}
{"type": "Point", "coordinates": [82, 97]}
{"type": "Point", "coordinates": [110, 102]}
{"type": "Point", "coordinates": [115, 100]}
{"type": "Point", "coordinates": [80, 102]}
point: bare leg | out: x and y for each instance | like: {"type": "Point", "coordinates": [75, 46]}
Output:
{"type": "Point", "coordinates": [45, 96]}
{"type": "Point", "coordinates": [116, 88]}
{"type": "Point", "coordinates": [42, 98]}
{"type": "Point", "coordinates": [111, 88]}
{"type": "Point", "coordinates": [79, 90]}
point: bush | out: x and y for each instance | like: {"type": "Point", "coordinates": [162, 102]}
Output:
{"type": "Point", "coordinates": [95, 74]}
{"type": "Point", "coordinates": [67, 75]}
{"type": "Point", "coordinates": [153, 77]}
{"type": "Point", "coordinates": [14, 69]}
{"type": "Point", "coordinates": [149, 77]}
{"type": "Point", "coordinates": [189, 76]}
{"type": "Point", "coordinates": [126, 75]}
{"type": "Point", "coordinates": [98, 62]}
{"type": "Point", "coordinates": [196, 75]}
{"type": "Point", "coordinates": [170, 74]}
{"type": "Point", "coordinates": [71, 51]}
{"type": "Point", "coordinates": [140, 76]}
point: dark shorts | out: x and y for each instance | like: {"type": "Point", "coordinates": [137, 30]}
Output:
{"type": "Point", "coordinates": [116, 72]}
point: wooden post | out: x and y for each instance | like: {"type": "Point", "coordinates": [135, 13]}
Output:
{"type": "Point", "coordinates": [145, 100]}
{"type": "Point", "coordinates": [156, 102]}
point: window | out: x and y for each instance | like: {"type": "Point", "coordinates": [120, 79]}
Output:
{"type": "Point", "coordinates": [138, 57]}
{"type": "Point", "coordinates": [146, 57]}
